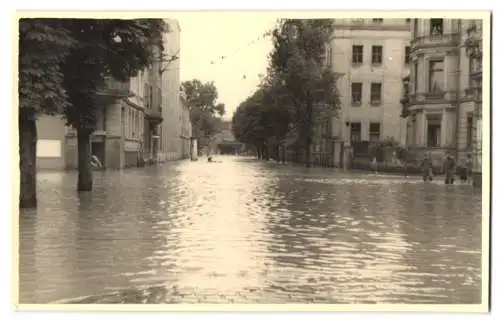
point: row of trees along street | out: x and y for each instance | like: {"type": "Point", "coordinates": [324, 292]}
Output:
{"type": "Point", "coordinates": [63, 63]}
{"type": "Point", "coordinates": [297, 95]}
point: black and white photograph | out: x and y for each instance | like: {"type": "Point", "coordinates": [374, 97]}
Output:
{"type": "Point", "coordinates": [253, 158]}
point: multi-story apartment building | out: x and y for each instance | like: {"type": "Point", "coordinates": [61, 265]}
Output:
{"type": "Point", "coordinates": [186, 133]}
{"type": "Point", "coordinates": [443, 94]}
{"type": "Point", "coordinates": [127, 131]}
{"type": "Point", "coordinates": [127, 126]}
{"type": "Point", "coordinates": [142, 120]}
{"type": "Point", "coordinates": [176, 132]}
{"type": "Point", "coordinates": [371, 56]}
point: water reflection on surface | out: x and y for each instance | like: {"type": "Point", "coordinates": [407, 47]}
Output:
{"type": "Point", "coordinates": [242, 231]}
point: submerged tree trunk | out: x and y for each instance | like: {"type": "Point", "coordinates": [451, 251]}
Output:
{"type": "Point", "coordinates": [27, 160]}
{"type": "Point", "coordinates": [309, 132]}
{"type": "Point", "coordinates": [265, 150]}
{"type": "Point", "coordinates": [308, 150]}
{"type": "Point", "coordinates": [84, 167]}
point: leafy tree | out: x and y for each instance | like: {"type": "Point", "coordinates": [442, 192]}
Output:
{"type": "Point", "coordinates": [43, 45]}
{"type": "Point", "coordinates": [62, 65]}
{"type": "Point", "coordinates": [200, 98]}
{"type": "Point", "coordinates": [103, 48]}
{"type": "Point", "coordinates": [261, 118]}
{"type": "Point", "coordinates": [297, 61]}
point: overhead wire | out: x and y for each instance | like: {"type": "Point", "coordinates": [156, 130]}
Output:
{"type": "Point", "coordinates": [223, 58]}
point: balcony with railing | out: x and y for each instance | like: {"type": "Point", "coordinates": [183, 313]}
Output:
{"type": "Point", "coordinates": [115, 88]}
{"type": "Point", "coordinates": [436, 39]}
{"type": "Point", "coordinates": [154, 116]}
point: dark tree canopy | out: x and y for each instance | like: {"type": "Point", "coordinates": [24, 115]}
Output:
{"type": "Point", "coordinates": [106, 48]}
{"type": "Point", "coordinates": [44, 44]}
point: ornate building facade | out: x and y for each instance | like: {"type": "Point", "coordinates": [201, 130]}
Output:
{"type": "Point", "coordinates": [474, 48]}
{"type": "Point", "coordinates": [441, 94]}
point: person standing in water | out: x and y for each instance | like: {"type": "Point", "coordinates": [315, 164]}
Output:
{"type": "Point", "coordinates": [464, 169]}
{"type": "Point", "coordinates": [426, 166]}
{"type": "Point", "coordinates": [449, 167]}
{"type": "Point", "coordinates": [374, 165]}
{"type": "Point", "coordinates": [469, 168]}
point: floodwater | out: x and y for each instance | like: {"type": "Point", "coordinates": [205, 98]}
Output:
{"type": "Point", "coordinates": [243, 231]}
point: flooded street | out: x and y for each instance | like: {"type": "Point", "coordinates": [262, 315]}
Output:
{"type": "Point", "coordinates": [242, 231]}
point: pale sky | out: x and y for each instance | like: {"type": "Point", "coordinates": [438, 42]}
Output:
{"type": "Point", "coordinates": [206, 37]}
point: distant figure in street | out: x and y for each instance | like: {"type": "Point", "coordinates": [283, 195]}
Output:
{"type": "Point", "coordinates": [426, 166]}
{"type": "Point", "coordinates": [209, 159]}
{"type": "Point", "coordinates": [374, 165]}
{"type": "Point", "coordinates": [469, 168]}
{"type": "Point", "coordinates": [449, 168]}
{"type": "Point", "coordinates": [462, 170]}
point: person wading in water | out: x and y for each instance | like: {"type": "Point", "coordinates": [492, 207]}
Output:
{"type": "Point", "coordinates": [427, 168]}
{"type": "Point", "coordinates": [449, 166]}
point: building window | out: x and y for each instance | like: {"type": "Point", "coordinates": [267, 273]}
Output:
{"type": "Point", "coordinates": [329, 57]}
{"type": "Point", "coordinates": [407, 54]}
{"type": "Point", "coordinates": [375, 93]}
{"type": "Point", "coordinates": [377, 20]}
{"type": "Point", "coordinates": [376, 54]}
{"type": "Point", "coordinates": [357, 54]}
{"type": "Point", "coordinates": [357, 93]}
{"type": "Point", "coordinates": [433, 131]}
{"type": "Point", "coordinates": [470, 123]}
{"type": "Point", "coordinates": [136, 128]}
{"type": "Point", "coordinates": [436, 27]}
{"type": "Point", "coordinates": [436, 75]}
{"type": "Point", "coordinates": [355, 132]}
{"type": "Point", "coordinates": [146, 96]}
{"type": "Point", "coordinates": [415, 78]}
{"type": "Point", "coordinates": [129, 123]}
{"type": "Point", "coordinates": [49, 148]}
{"type": "Point", "coordinates": [415, 28]}
{"type": "Point", "coordinates": [151, 96]}
{"type": "Point", "coordinates": [374, 131]}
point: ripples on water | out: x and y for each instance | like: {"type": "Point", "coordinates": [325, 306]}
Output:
{"type": "Point", "coordinates": [248, 232]}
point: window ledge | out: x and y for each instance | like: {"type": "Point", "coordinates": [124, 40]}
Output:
{"type": "Point", "coordinates": [356, 104]}
{"type": "Point", "coordinates": [376, 64]}
{"type": "Point", "coordinates": [356, 64]}
{"type": "Point", "coordinates": [376, 103]}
